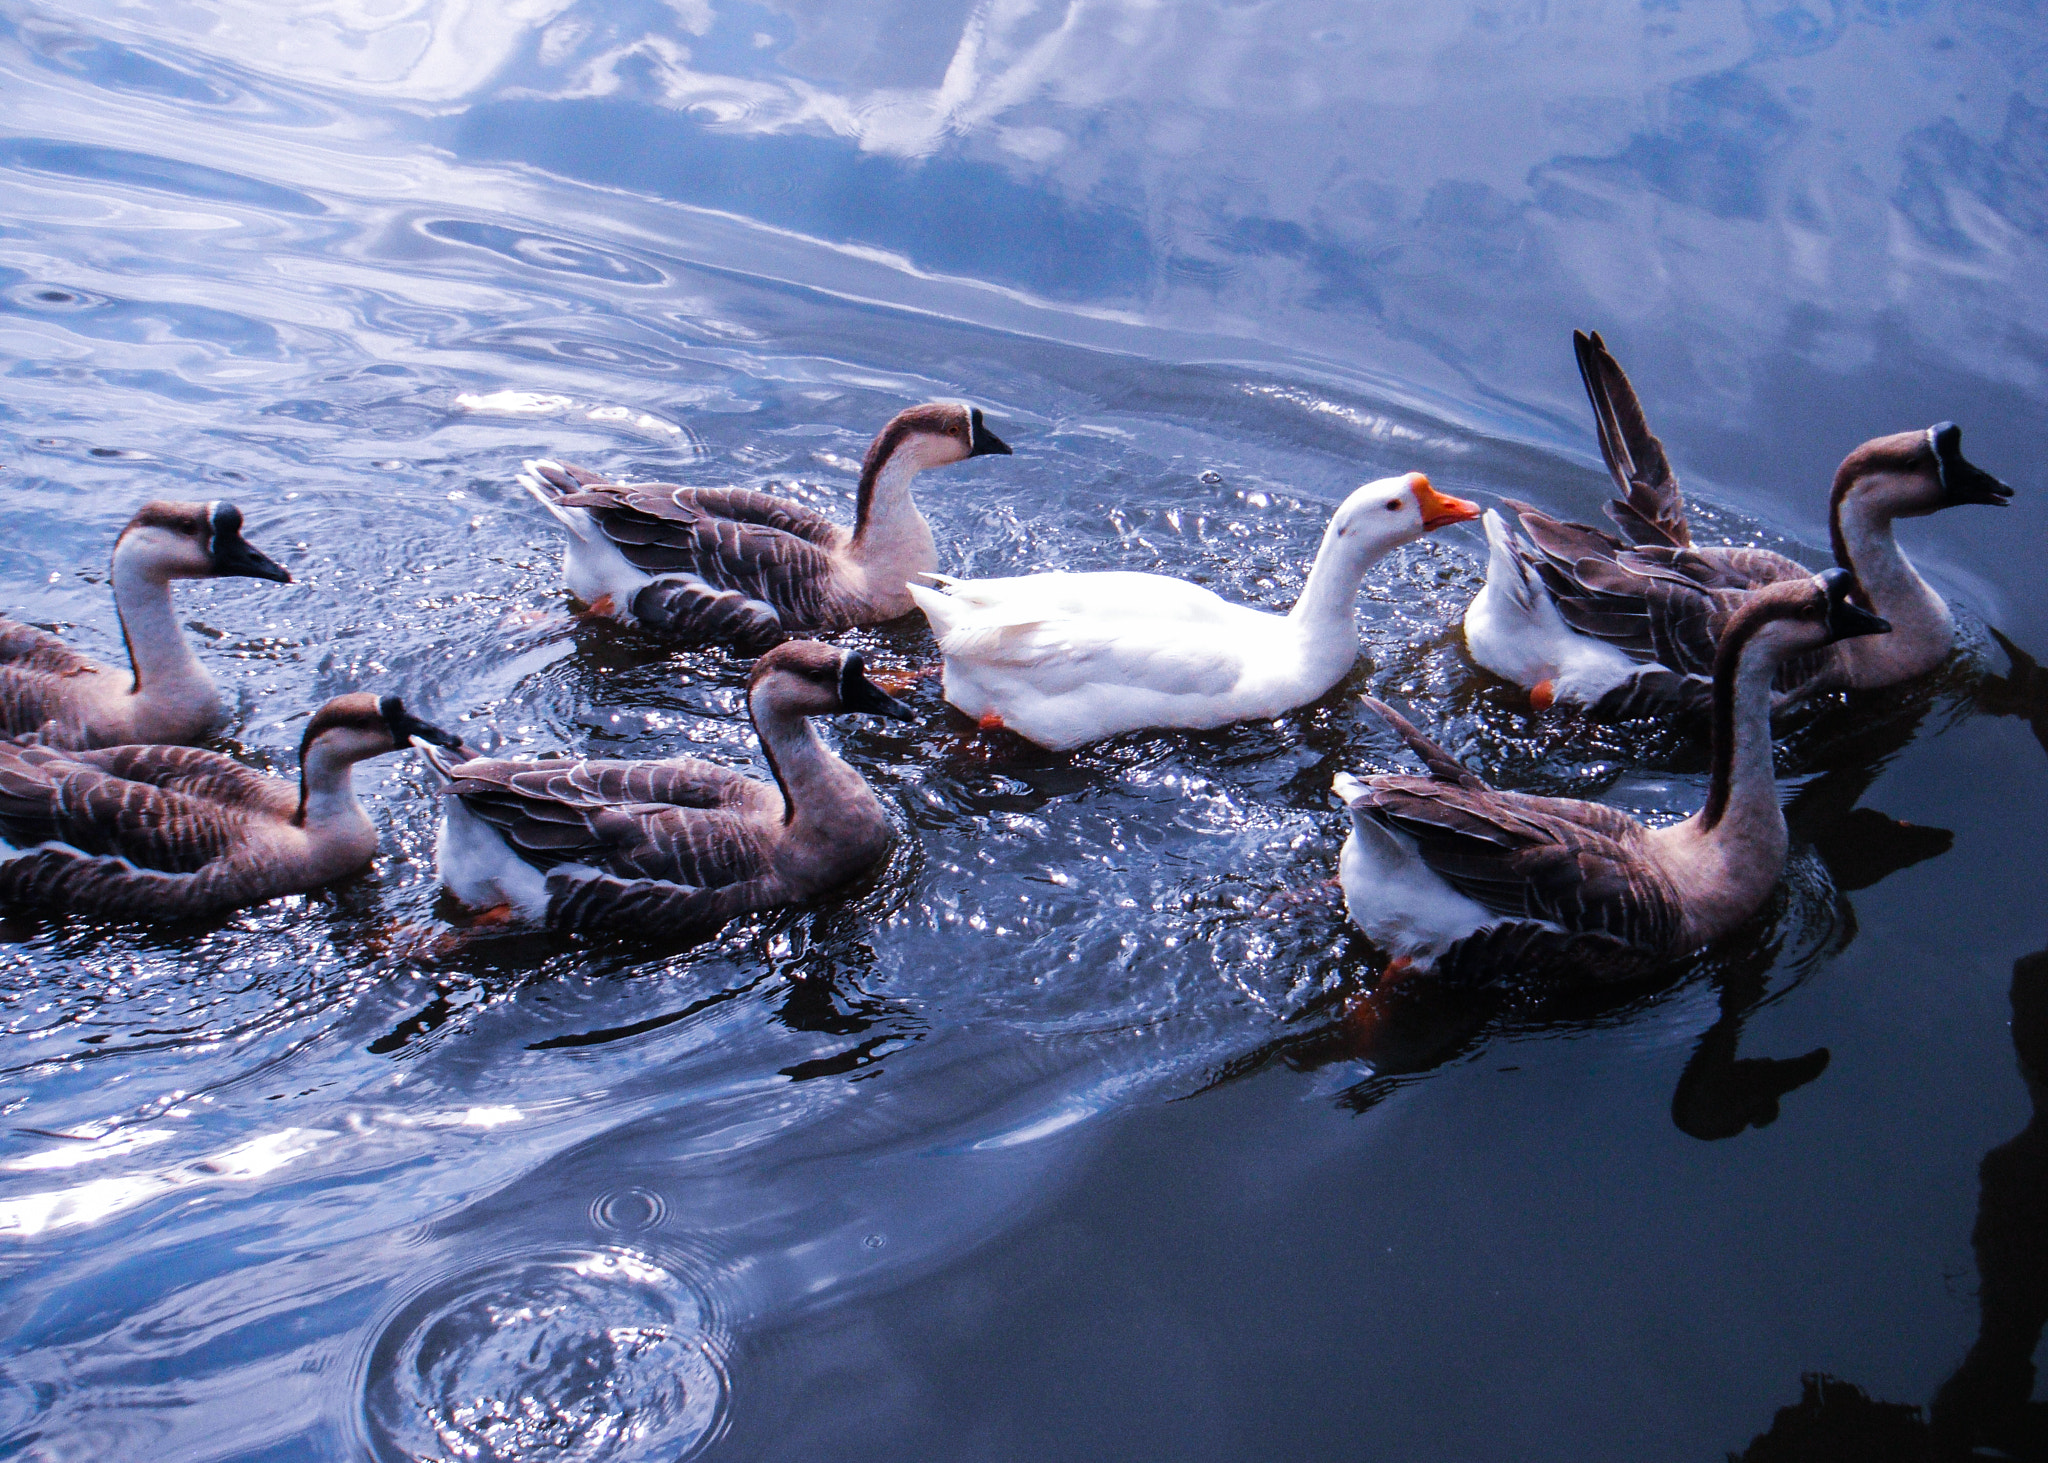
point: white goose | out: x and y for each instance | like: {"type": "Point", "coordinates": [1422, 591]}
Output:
{"type": "Point", "coordinates": [1065, 659]}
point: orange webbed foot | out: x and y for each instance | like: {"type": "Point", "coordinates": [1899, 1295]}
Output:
{"type": "Point", "coordinates": [1543, 695]}
{"type": "Point", "coordinates": [601, 608]}
{"type": "Point", "coordinates": [990, 721]}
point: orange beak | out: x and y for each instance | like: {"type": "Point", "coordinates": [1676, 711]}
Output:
{"type": "Point", "coordinates": [1438, 509]}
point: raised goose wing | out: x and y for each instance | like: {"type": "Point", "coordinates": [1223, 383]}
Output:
{"type": "Point", "coordinates": [1650, 510]}
{"type": "Point", "coordinates": [48, 796]}
{"type": "Point", "coordinates": [766, 548]}
{"type": "Point", "coordinates": [682, 822]}
{"type": "Point", "coordinates": [1573, 864]}
{"type": "Point", "coordinates": [194, 772]}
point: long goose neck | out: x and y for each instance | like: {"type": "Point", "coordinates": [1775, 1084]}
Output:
{"type": "Point", "coordinates": [886, 521]}
{"type": "Point", "coordinates": [805, 768]}
{"type": "Point", "coordinates": [159, 656]}
{"type": "Point", "coordinates": [327, 794]}
{"type": "Point", "coordinates": [1890, 586]}
{"type": "Point", "coordinates": [1742, 795]}
{"type": "Point", "coordinates": [1326, 609]}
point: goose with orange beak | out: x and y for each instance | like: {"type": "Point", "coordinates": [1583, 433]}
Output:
{"type": "Point", "coordinates": [1067, 659]}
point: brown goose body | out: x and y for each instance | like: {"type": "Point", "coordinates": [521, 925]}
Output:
{"type": "Point", "coordinates": [64, 699]}
{"type": "Point", "coordinates": [1451, 873]}
{"type": "Point", "coordinates": [167, 833]}
{"type": "Point", "coordinates": [1627, 622]}
{"type": "Point", "coordinates": [748, 568]}
{"type": "Point", "coordinates": [676, 847]}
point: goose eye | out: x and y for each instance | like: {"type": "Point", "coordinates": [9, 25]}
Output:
{"type": "Point", "coordinates": [1393, 505]}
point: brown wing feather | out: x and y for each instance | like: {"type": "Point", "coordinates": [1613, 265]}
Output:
{"type": "Point", "coordinates": [39, 680]}
{"type": "Point", "coordinates": [1573, 864]}
{"type": "Point", "coordinates": [648, 907]}
{"type": "Point", "coordinates": [193, 772]}
{"type": "Point", "coordinates": [47, 796]}
{"type": "Point", "coordinates": [24, 647]}
{"type": "Point", "coordinates": [766, 548]}
{"type": "Point", "coordinates": [1661, 606]}
{"type": "Point", "coordinates": [682, 822]}
{"type": "Point", "coordinates": [1650, 510]}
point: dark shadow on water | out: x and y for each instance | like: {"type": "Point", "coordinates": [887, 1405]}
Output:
{"type": "Point", "coordinates": [2022, 691]}
{"type": "Point", "coordinates": [1986, 1408]}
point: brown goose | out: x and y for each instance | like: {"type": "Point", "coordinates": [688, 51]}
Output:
{"type": "Point", "coordinates": [675, 847]}
{"type": "Point", "coordinates": [50, 691]}
{"type": "Point", "coordinates": [1579, 615]}
{"type": "Point", "coordinates": [156, 833]}
{"type": "Point", "coordinates": [1446, 872]}
{"type": "Point", "coordinates": [740, 566]}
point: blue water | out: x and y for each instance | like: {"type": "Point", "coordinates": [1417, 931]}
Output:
{"type": "Point", "coordinates": [1047, 1143]}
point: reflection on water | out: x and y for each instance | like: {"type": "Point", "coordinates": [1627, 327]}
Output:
{"type": "Point", "coordinates": [1211, 266]}
{"type": "Point", "coordinates": [1985, 1408]}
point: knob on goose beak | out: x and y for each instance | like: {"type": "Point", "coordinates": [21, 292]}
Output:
{"type": "Point", "coordinates": [1846, 618]}
{"type": "Point", "coordinates": [235, 556]}
{"type": "Point", "coordinates": [407, 728]}
{"type": "Point", "coordinates": [1439, 510]}
{"type": "Point", "coordinates": [858, 693]}
{"type": "Point", "coordinates": [1962, 481]}
{"type": "Point", "coordinates": [981, 441]}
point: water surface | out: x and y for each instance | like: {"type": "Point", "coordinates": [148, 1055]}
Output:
{"type": "Point", "coordinates": [1049, 1142]}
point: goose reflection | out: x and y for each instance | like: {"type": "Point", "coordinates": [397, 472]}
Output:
{"type": "Point", "coordinates": [1986, 1408]}
{"type": "Point", "coordinates": [2022, 691]}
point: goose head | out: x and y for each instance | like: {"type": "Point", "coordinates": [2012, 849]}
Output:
{"type": "Point", "coordinates": [933, 435]}
{"type": "Point", "coordinates": [1392, 511]}
{"type": "Point", "coordinates": [809, 678]}
{"type": "Point", "coordinates": [1912, 474]}
{"type": "Point", "coordinates": [361, 725]}
{"type": "Point", "coordinates": [1797, 616]}
{"type": "Point", "coordinates": [170, 540]}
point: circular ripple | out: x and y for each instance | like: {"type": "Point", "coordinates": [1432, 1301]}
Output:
{"type": "Point", "coordinates": [628, 1211]}
{"type": "Point", "coordinates": [572, 1357]}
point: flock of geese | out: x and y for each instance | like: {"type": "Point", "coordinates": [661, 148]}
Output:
{"type": "Point", "coordinates": [106, 809]}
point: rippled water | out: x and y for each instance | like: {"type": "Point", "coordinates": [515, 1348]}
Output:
{"type": "Point", "coordinates": [1053, 1140]}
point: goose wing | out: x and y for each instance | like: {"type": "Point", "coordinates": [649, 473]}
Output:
{"type": "Point", "coordinates": [1056, 655]}
{"type": "Point", "coordinates": [195, 773]}
{"type": "Point", "coordinates": [53, 797]}
{"type": "Point", "coordinates": [1650, 510]}
{"type": "Point", "coordinates": [1575, 865]}
{"type": "Point", "coordinates": [677, 822]}
{"type": "Point", "coordinates": [25, 648]}
{"type": "Point", "coordinates": [763, 547]}
{"type": "Point", "coordinates": [1658, 605]}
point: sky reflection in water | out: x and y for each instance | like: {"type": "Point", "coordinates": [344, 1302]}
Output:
{"type": "Point", "coordinates": [901, 1175]}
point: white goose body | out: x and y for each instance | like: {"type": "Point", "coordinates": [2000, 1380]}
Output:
{"type": "Point", "coordinates": [1065, 659]}
{"type": "Point", "coordinates": [1445, 868]}
{"type": "Point", "coordinates": [1513, 628]}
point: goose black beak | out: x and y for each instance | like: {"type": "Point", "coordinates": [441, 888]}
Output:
{"type": "Point", "coordinates": [1846, 618]}
{"type": "Point", "coordinates": [981, 441]}
{"type": "Point", "coordinates": [1962, 481]}
{"type": "Point", "coordinates": [235, 556]}
{"type": "Point", "coordinates": [858, 693]}
{"type": "Point", "coordinates": [407, 728]}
